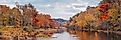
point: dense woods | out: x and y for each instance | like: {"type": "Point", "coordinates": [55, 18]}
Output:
{"type": "Point", "coordinates": [25, 15]}
{"type": "Point", "coordinates": [24, 20]}
{"type": "Point", "coordinates": [105, 16]}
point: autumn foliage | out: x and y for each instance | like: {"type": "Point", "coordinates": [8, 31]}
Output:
{"type": "Point", "coordinates": [105, 15]}
{"type": "Point", "coordinates": [25, 15]}
{"type": "Point", "coordinates": [103, 8]}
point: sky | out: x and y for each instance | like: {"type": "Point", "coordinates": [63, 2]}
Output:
{"type": "Point", "coordinates": [56, 8]}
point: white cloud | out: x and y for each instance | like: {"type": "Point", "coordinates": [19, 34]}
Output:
{"type": "Point", "coordinates": [75, 4]}
{"type": "Point", "coordinates": [68, 6]}
{"type": "Point", "coordinates": [79, 6]}
{"type": "Point", "coordinates": [47, 5]}
{"type": "Point", "coordinates": [39, 11]}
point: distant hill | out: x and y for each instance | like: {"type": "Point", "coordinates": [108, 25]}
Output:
{"type": "Point", "coordinates": [60, 21]}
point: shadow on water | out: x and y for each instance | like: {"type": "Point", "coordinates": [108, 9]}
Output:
{"type": "Point", "coordinates": [98, 36]}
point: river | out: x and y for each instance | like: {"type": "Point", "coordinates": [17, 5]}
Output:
{"type": "Point", "coordinates": [82, 36]}
{"type": "Point", "coordinates": [85, 36]}
{"type": "Point", "coordinates": [60, 36]}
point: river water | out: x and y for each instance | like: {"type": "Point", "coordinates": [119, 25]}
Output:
{"type": "Point", "coordinates": [98, 36]}
{"type": "Point", "coordinates": [85, 36]}
{"type": "Point", "coordinates": [82, 36]}
{"type": "Point", "coordinates": [60, 36]}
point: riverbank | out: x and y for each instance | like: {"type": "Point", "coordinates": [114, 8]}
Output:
{"type": "Point", "coordinates": [11, 32]}
{"type": "Point", "coordinates": [92, 30]}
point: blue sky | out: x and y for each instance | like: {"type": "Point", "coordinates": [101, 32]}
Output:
{"type": "Point", "coordinates": [56, 8]}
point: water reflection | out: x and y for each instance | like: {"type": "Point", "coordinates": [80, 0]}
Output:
{"type": "Point", "coordinates": [97, 36]}
{"type": "Point", "coordinates": [80, 36]}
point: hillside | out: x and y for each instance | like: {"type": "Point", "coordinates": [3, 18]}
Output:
{"type": "Point", "coordinates": [105, 16]}
{"type": "Point", "coordinates": [25, 20]}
